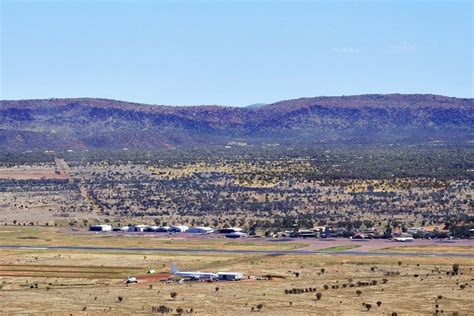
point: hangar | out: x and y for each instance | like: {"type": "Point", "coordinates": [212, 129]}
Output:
{"type": "Point", "coordinates": [230, 276]}
{"type": "Point", "coordinates": [100, 228]}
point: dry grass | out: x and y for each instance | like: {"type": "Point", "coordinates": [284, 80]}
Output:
{"type": "Point", "coordinates": [36, 172]}
{"type": "Point", "coordinates": [431, 249]}
{"type": "Point", "coordinates": [68, 281]}
{"type": "Point", "coordinates": [52, 236]}
{"type": "Point", "coordinates": [339, 248]}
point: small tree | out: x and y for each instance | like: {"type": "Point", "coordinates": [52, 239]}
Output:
{"type": "Point", "coordinates": [173, 295]}
{"type": "Point", "coordinates": [358, 292]}
{"type": "Point", "coordinates": [217, 289]}
{"type": "Point", "coordinates": [319, 295]}
{"type": "Point", "coordinates": [368, 306]}
{"type": "Point", "coordinates": [455, 269]}
{"type": "Point", "coordinates": [259, 307]}
{"type": "Point", "coordinates": [379, 303]}
{"type": "Point", "coordinates": [120, 298]}
{"type": "Point", "coordinates": [162, 309]}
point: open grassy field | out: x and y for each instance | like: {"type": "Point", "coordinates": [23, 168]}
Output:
{"type": "Point", "coordinates": [430, 249]}
{"type": "Point", "coordinates": [30, 173]}
{"type": "Point", "coordinates": [80, 282]}
{"type": "Point", "coordinates": [52, 236]}
{"type": "Point", "coordinates": [339, 248]}
{"type": "Point", "coordinates": [55, 171]}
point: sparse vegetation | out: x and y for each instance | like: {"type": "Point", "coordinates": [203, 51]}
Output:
{"type": "Point", "coordinates": [262, 190]}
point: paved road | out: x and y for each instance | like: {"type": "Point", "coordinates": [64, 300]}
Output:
{"type": "Point", "coordinates": [266, 252]}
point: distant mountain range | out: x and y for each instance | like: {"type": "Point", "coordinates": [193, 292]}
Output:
{"type": "Point", "coordinates": [87, 123]}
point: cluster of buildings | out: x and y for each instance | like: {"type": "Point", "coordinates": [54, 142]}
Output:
{"type": "Point", "coordinates": [370, 233]}
{"type": "Point", "coordinates": [231, 232]}
{"type": "Point", "coordinates": [315, 232]}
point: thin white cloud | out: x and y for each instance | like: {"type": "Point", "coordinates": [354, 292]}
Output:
{"type": "Point", "coordinates": [346, 50]}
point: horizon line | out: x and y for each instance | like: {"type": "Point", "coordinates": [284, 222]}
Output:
{"type": "Point", "coordinates": [236, 106]}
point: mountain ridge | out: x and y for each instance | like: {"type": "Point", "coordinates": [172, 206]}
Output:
{"type": "Point", "coordinates": [302, 100]}
{"type": "Point", "coordinates": [104, 123]}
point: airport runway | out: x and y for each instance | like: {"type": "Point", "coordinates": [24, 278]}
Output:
{"type": "Point", "coordinates": [265, 252]}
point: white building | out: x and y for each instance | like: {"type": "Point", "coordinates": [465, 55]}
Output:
{"type": "Point", "coordinates": [100, 228]}
{"type": "Point", "coordinates": [236, 235]}
{"type": "Point", "coordinates": [283, 234]}
{"type": "Point", "coordinates": [138, 228]}
{"type": "Point", "coordinates": [152, 228]}
{"type": "Point", "coordinates": [230, 276]}
{"type": "Point", "coordinates": [121, 229]}
{"type": "Point", "coordinates": [179, 228]}
{"type": "Point", "coordinates": [164, 229]}
{"type": "Point", "coordinates": [200, 230]}
{"type": "Point", "coordinates": [229, 230]}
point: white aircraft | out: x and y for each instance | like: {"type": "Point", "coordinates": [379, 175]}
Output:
{"type": "Point", "coordinates": [403, 239]}
{"type": "Point", "coordinates": [131, 280]}
{"type": "Point", "coordinates": [195, 275]}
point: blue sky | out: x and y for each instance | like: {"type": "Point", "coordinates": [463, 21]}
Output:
{"type": "Point", "coordinates": [234, 53]}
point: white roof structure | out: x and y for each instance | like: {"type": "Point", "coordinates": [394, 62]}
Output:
{"type": "Point", "coordinates": [230, 276]}
{"type": "Point", "coordinates": [236, 229]}
{"type": "Point", "coordinates": [205, 230]}
{"type": "Point", "coordinates": [103, 227]}
{"type": "Point", "coordinates": [181, 228]}
{"type": "Point", "coordinates": [236, 235]}
{"type": "Point", "coordinates": [230, 230]}
{"type": "Point", "coordinates": [230, 273]}
{"type": "Point", "coordinates": [138, 228]}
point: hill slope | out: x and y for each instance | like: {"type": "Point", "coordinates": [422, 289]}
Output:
{"type": "Point", "coordinates": [109, 124]}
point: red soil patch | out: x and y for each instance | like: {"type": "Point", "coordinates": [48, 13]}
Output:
{"type": "Point", "coordinates": [153, 277]}
{"type": "Point", "coordinates": [31, 174]}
